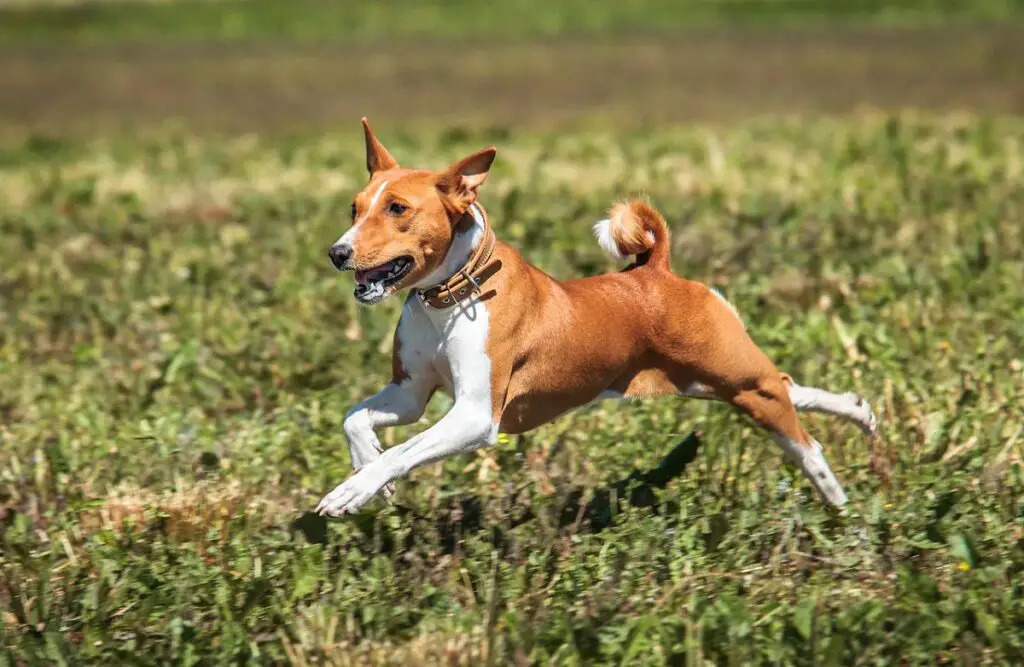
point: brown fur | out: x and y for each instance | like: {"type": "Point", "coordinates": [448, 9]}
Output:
{"type": "Point", "coordinates": [435, 202]}
{"type": "Point", "coordinates": [551, 349]}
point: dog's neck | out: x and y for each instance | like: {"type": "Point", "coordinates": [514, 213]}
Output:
{"type": "Point", "coordinates": [469, 233]}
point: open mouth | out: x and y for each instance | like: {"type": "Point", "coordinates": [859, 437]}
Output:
{"type": "Point", "coordinates": [372, 285]}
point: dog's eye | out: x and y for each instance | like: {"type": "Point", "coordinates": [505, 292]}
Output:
{"type": "Point", "coordinates": [396, 208]}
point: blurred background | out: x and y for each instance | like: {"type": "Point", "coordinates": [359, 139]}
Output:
{"type": "Point", "coordinates": [82, 67]}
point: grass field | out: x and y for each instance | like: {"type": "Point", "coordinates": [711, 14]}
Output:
{"type": "Point", "coordinates": [177, 354]}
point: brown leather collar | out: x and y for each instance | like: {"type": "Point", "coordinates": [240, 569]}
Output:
{"type": "Point", "coordinates": [472, 276]}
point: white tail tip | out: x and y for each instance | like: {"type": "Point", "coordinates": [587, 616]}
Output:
{"type": "Point", "coordinates": [603, 234]}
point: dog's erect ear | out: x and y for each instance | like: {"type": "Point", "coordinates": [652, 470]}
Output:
{"type": "Point", "coordinates": [461, 180]}
{"type": "Point", "coordinates": [377, 157]}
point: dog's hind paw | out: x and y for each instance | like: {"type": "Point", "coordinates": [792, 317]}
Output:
{"type": "Point", "coordinates": [866, 419]}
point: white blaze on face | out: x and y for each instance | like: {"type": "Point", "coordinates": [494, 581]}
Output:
{"type": "Point", "coordinates": [349, 237]}
{"type": "Point", "coordinates": [374, 198]}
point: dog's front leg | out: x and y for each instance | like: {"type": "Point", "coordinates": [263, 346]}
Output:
{"type": "Point", "coordinates": [464, 429]}
{"type": "Point", "coordinates": [397, 404]}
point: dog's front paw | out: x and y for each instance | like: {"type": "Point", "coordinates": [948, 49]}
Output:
{"type": "Point", "coordinates": [387, 490]}
{"type": "Point", "coordinates": [350, 496]}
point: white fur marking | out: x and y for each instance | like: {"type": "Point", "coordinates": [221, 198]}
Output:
{"type": "Point", "coordinates": [814, 467]}
{"type": "Point", "coordinates": [474, 211]}
{"type": "Point", "coordinates": [349, 236]}
{"type": "Point", "coordinates": [849, 406]}
{"type": "Point", "coordinates": [374, 198]}
{"type": "Point", "coordinates": [603, 234]}
{"type": "Point", "coordinates": [459, 336]}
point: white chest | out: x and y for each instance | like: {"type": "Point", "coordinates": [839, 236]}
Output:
{"type": "Point", "coordinates": [454, 342]}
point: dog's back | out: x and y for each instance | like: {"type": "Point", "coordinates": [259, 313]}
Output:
{"type": "Point", "coordinates": [639, 332]}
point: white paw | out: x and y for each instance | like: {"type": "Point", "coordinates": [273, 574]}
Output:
{"type": "Point", "coordinates": [363, 456]}
{"type": "Point", "coordinates": [350, 496]}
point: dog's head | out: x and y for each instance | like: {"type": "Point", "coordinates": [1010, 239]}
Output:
{"type": "Point", "coordinates": [403, 220]}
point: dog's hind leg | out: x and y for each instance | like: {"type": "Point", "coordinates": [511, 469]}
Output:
{"type": "Point", "coordinates": [849, 406]}
{"type": "Point", "coordinates": [769, 405]}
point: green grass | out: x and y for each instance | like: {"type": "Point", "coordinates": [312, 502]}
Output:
{"type": "Point", "coordinates": [176, 356]}
{"type": "Point", "coordinates": [383, 20]}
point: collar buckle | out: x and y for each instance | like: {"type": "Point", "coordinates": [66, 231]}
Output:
{"type": "Point", "coordinates": [472, 281]}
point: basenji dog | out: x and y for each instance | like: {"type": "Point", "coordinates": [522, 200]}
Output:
{"type": "Point", "coordinates": [516, 348]}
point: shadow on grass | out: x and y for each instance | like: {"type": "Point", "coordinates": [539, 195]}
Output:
{"type": "Point", "coordinates": [464, 515]}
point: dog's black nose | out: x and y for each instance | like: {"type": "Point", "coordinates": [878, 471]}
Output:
{"type": "Point", "coordinates": [340, 254]}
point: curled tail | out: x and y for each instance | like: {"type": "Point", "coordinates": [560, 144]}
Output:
{"type": "Point", "coordinates": [635, 228]}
